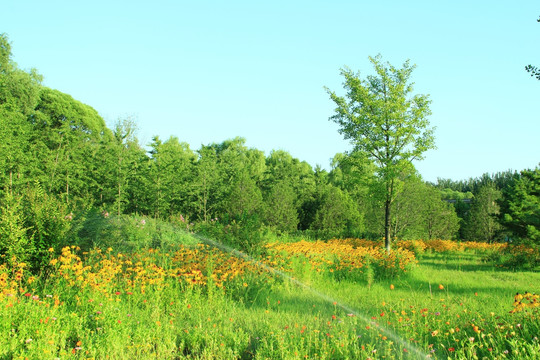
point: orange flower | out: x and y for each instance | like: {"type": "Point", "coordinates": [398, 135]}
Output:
{"type": "Point", "coordinates": [441, 287]}
{"type": "Point", "coordinates": [391, 286]}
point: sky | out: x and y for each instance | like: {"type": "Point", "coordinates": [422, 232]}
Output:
{"type": "Point", "coordinates": [207, 71]}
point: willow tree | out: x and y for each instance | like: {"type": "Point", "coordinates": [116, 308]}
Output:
{"type": "Point", "coordinates": [385, 122]}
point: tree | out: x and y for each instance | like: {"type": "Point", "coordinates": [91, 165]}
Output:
{"type": "Point", "coordinates": [337, 215]}
{"type": "Point", "coordinates": [126, 155]}
{"type": "Point", "coordinates": [296, 174]}
{"type": "Point", "coordinates": [241, 170]}
{"type": "Point", "coordinates": [482, 223]}
{"type": "Point", "coordinates": [385, 122]}
{"type": "Point", "coordinates": [439, 218]}
{"type": "Point", "coordinates": [533, 70]}
{"type": "Point", "coordinates": [171, 172]}
{"type": "Point", "coordinates": [19, 94]}
{"type": "Point", "coordinates": [420, 213]}
{"type": "Point", "coordinates": [521, 206]}
{"type": "Point", "coordinates": [207, 190]}
{"type": "Point", "coordinates": [67, 134]}
{"type": "Point", "coordinates": [280, 212]}
{"type": "Point", "coordinates": [244, 196]}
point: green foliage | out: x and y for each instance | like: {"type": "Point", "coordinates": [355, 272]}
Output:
{"type": "Point", "coordinates": [450, 194]}
{"type": "Point", "coordinates": [280, 212]}
{"type": "Point", "coordinates": [241, 232]}
{"type": "Point", "coordinates": [208, 193]}
{"type": "Point", "coordinates": [15, 245]}
{"type": "Point", "coordinates": [517, 257]}
{"type": "Point", "coordinates": [244, 196]}
{"type": "Point", "coordinates": [521, 206]}
{"type": "Point", "coordinates": [126, 157]}
{"type": "Point", "coordinates": [31, 223]}
{"type": "Point", "coordinates": [18, 89]}
{"type": "Point", "coordinates": [337, 216]}
{"type": "Point", "coordinates": [51, 138]}
{"type": "Point", "coordinates": [171, 168]}
{"type": "Point", "coordinates": [126, 233]}
{"type": "Point", "coordinates": [384, 122]}
{"type": "Point", "coordinates": [47, 220]}
{"type": "Point", "coordinates": [420, 213]}
{"type": "Point", "coordinates": [482, 223]}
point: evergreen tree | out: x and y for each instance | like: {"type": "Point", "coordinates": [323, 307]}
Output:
{"type": "Point", "coordinates": [482, 223]}
{"type": "Point", "coordinates": [520, 207]}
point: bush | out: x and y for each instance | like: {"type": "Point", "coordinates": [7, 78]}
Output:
{"type": "Point", "coordinates": [47, 219]}
{"type": "Point", "coordinates": [31, 223]}
{"type": "Point", "coordinates": [516, 256]}
{"type": "Point", "coordinates": [127, 233]}
{"type": "Point", "coordinates": [241, 232]}
{"type": "Point", "coordinates": [14, 241]}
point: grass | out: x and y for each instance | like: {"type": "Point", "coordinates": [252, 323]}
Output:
{"type": "Point", "coordinates": [453, 305]}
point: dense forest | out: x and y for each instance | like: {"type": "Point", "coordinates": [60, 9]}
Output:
{"type": "Point", "coordinates": [59, 162]}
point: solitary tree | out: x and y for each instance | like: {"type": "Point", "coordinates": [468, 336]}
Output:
{"type": "Point", "coordinates": [385, 122]}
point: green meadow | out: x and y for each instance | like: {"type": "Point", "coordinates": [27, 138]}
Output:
{"type": "Point", "coordinates": [194, 301]}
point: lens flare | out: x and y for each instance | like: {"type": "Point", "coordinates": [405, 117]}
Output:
{"type": "Point", "coordinates": [412, 350]}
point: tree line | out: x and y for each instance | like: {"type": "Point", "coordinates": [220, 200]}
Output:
{"type": "Point", "coordinates": [58, 159]}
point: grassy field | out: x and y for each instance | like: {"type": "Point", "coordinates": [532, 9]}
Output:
{"type": "Point", "coordinates": [198, 302]}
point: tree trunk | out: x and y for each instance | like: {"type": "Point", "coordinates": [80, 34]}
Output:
{"type": "Point", "coordinates": [119, 195]}
{"type": "Point", "coordinates": [387, 239]}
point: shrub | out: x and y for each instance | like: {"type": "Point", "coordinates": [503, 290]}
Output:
{"type": "Point", "coordinates": [126, 233]}
{"type": "Point", "coordinates": [14, 241]}
{"type": "Point", "coordinates": [31, 223]}
{"type": "Point", "coordinates": [47, 219]}
{"type": "Point", "coordinates": [242, 232]}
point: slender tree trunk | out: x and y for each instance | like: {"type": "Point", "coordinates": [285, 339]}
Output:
{"type": "Point", "coordinates": [387, 239]}
{"type": "Point", "coordinates": [119, 196]}
{"type": "Point", "coordinates": [56, 162]}
{"type": "Point", "coordinates": [387, 217]}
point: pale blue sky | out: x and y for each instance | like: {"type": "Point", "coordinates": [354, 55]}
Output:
{"type": "Point", "coordinates": [206, 71]}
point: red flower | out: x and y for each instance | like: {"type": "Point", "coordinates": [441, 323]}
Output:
{"type": "Point", "coordinates": [451, 349]}
{"type": "Point", "coordinates": [117, 293]}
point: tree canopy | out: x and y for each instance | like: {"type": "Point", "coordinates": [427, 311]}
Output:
{"type": "Point", "coordinates": [384, 121]}
{"type": "Point", "coordinates": [59, 161]}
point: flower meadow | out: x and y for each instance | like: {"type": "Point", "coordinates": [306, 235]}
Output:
{"type": "Point", "coordinates": [339, 299]}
